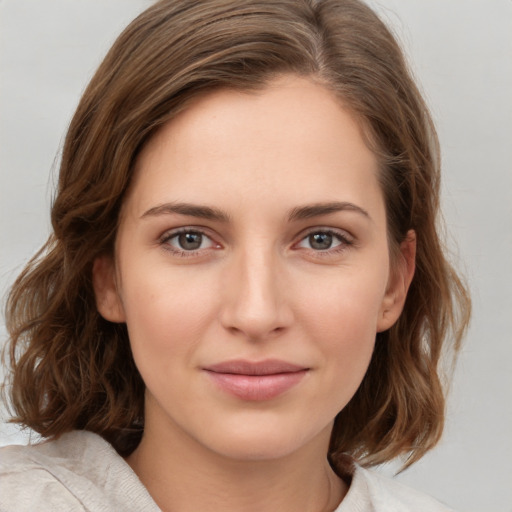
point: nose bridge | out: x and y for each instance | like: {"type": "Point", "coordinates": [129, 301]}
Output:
{"type": "Point", "coordinates": [255, 304]}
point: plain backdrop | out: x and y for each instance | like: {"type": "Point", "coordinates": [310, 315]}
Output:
{"type": "Point", "coordinates": [461, 54]}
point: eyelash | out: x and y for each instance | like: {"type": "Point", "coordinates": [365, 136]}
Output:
{"type": "Point", "coordinates": [345, 241]}
{"type": "Point", "coordinates": [167, 237]}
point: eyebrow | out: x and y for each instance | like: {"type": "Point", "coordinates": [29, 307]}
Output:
{"type": "Point", "coordinates": [318, 209]}
{"type": "Point", "coordinates": [216, 214]}
{"type": "Point", "coordinates": [192, 210]}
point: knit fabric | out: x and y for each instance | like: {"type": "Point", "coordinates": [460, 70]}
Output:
{"type": "Point", "coordinates": [80, 472]}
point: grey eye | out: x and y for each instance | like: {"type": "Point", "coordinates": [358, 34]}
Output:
{"type": "Point", "coordinates": [323, 241]}
{"type": "Point", "coordinates": [189, 241]}
{"type": "Point", "coordinates": [320, 241]}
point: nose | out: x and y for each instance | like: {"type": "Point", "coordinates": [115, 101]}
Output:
{"type": "Point", "coordinates": [255, 301]}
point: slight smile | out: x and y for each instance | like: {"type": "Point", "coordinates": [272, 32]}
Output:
{"type": "Point", "coordinates": [256, 381]}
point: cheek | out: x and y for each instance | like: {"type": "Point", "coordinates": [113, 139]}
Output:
{"type": "Point", "coordinates": [342, 318]}
{"type": "Point", "coordinates": [345, 304]}
{"type": "Point", "coordinates": [166, 314]}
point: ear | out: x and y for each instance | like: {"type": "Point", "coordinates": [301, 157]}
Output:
{"type": "Point", "coordinates": [399, 282]}
{"type": "Point", "coordinates": [104, 283]}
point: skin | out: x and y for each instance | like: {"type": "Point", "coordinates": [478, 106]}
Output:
{"type": "Point", "coordinates": [259, 286]}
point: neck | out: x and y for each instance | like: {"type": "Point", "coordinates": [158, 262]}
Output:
{"type": "Point", "coordinates": [182, 475]}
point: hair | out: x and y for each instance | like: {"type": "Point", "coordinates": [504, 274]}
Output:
{"type": "Point", "coordinates": [71, 369]}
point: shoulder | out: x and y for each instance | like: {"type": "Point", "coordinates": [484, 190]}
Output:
{"type": "Point", "coordinates": [369, 490]}
{"type": "Point", "coordinates": [77, 472]}
{"type": "Point", "coordinates": [389, 494]}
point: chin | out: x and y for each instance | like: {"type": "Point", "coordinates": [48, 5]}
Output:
{"type": "Point", "coordinates": [250, 449]}
{"type": "Point", "coordinates": [265, 440]}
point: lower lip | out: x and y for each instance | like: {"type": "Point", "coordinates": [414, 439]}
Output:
{"type": "Point", "coordinates": [256, 387]}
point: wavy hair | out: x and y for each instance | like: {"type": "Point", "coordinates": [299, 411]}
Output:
{"type": "Point", "coordinates": [71, 369]}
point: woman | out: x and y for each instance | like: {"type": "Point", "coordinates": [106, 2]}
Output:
{"type": "Point", "coordinates": [245, 298]}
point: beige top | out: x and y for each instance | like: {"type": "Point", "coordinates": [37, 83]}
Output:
{"type": "Point", "coordinates": [82, 472]}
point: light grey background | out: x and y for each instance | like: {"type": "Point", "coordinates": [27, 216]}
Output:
{"type": "Point", "coordinates": [461, 53]}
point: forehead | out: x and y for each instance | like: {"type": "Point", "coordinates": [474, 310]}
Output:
{"type": "Point", "coordinates": [293, 138]}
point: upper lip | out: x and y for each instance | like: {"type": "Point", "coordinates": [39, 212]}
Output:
{"type": "Point", "coordinates": [244, 367]}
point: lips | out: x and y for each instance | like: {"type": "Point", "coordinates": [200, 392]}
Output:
{"type": "Point", "coordinates": [255, 381]}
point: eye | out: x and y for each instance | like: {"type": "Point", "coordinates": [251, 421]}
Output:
{"type": "Point", "coordinates": [324, 240]}
{"type": "Point", "coordinates": [187, 241]}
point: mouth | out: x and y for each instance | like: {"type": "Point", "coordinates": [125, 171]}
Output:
{"type": "Point", "coordinates": [256, 381]}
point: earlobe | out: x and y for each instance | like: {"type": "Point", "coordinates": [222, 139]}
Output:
{"type": "Point", "coordinates": [108, 301]}
{"type": "Point", "coordinates": [398, 286]}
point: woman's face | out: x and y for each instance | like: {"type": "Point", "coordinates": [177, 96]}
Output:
{"type": "Point", "coordinates": [252, 269]}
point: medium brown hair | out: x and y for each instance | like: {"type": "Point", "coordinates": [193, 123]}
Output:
{"type": "Point", "coordinates": [71, 369]}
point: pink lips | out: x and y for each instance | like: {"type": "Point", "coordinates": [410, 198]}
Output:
{"type": "Point", "coordinates": [255, 381]}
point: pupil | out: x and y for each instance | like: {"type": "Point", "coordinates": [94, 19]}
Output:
{"type": "Point", "coordinates": [321, 241]}
{"type": "Point", "coordinates": [190, 241]}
